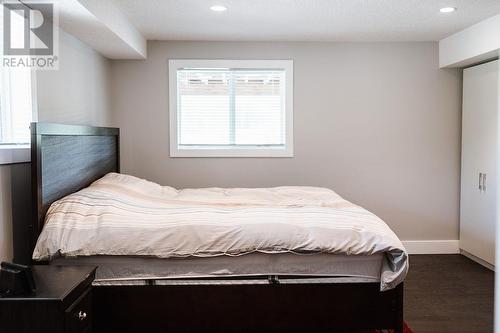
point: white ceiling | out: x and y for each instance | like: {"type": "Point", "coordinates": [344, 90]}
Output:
{"type": "Point", "coordinates": [304, 20]}
{"type": "Point", "coordinates": [101, 25]}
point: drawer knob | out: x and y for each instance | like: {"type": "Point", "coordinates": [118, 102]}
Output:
{"type": "Point", "coordinates": [82, 315]}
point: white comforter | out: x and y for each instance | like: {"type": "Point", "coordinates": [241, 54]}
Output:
{"type": "Point", "coordinates": [124, 215]}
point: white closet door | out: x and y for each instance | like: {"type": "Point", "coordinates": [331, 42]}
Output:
{"type": "Point", "coordinates": [479, 151]}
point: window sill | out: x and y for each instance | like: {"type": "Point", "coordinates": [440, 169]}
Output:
{"type": "Point", "coordinates": [11, 154]}
{"type": "Point", "coordinates": [232, 152]}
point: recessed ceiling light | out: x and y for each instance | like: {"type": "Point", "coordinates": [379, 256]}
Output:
{"type": "Point", "coordinates": [447, 9]}
{"type": "Point", "coordinates": [218, 8]}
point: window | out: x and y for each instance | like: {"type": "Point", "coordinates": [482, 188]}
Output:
{"type": "Point", "coordinates": [16, 102]}
{"type": "Point", "coordinates": [231, 108]}
{"type": "Point", "coordinates": [15, 106]}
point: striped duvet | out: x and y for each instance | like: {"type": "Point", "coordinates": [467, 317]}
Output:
{"type": "Point", "coordinates": [124, 215]}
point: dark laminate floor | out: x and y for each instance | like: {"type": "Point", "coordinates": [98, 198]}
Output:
{"type": "Point", "coordinates": [448, 293]}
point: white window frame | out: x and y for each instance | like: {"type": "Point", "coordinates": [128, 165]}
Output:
{"type": "Point", "coordinates": [13, 153]}
{"type": "Point", "coordinates": [176, 64]}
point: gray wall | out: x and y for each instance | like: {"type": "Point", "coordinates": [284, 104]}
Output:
{"type": "Point", "coordinates": [78, 93]}
{"type": "Point", "coordinates": [5, 214]}
{"type": "Point", "coordinates": [377, 122]}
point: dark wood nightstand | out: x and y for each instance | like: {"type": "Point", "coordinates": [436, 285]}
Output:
{"type": "Point", "coordinates": [62, 303]}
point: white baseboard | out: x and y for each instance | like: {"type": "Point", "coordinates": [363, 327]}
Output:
{"type": "Point", "coordinates": [432, 246]}
{"type": "Point", "coordinates": [478, 260]}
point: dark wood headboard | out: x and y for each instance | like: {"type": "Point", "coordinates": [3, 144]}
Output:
{"type": "Point", "coordinates": [64, 159]}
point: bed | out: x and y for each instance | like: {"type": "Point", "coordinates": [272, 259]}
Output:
{"type": "Point", "coordinates": [346, 276]}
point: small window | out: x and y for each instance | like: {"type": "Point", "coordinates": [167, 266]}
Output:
{"type": "Point", "coordinates": [16, 103]}
{"type": "Point", "coordinates": [231, 108]}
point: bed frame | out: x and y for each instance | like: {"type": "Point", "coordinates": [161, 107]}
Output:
{"type": "Point", "coordinates": [66, 158]}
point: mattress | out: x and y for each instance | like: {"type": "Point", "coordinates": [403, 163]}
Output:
{"type": "Point", "coordinates": [118, 269]}
{"type": "Point", "coordinates": [120, 215]}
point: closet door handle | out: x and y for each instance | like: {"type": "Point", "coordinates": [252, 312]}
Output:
{"type": "Point", "coordinates": [484, 182]}
{"type": "Point", "coordinates": [480, 181]}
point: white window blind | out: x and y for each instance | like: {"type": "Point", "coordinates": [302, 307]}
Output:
{"type": "Point", "coordinates": [16, 101]}
{"type": "Point", "coordinates": [231, 111]}
{"type": "Point", "coordinates": [16, 106]}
